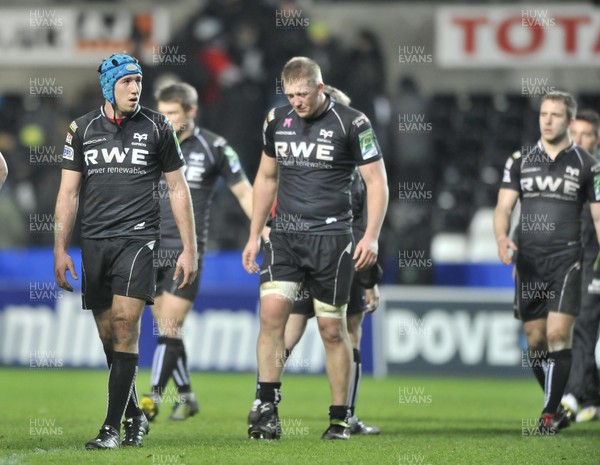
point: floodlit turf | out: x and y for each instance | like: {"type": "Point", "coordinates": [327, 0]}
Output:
{"type": "Point", "coordinates": [47, 416]}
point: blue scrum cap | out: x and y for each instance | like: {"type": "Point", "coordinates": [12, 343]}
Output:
{"type": "Point", "coordinates": [114, 68]}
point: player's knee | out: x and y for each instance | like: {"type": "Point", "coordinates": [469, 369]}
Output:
{"type": "Point", "coordinates": [537, 343]}
{"type": "Point", "coordinates": [331, 335]}
{"type": "Point", "coordinates": [272, 320]}
{"type": "Point", "coordinates": [331, 320]}
{"type": "Point", "coordinates": [536, 338]}
{"type": "Point", "coordinates": [125, 330]}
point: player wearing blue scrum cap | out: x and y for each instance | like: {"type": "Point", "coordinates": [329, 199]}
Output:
{"type": "Point", "coordinates": [116, 155]}
{"type": "Point", "coordinates": [113, 69]}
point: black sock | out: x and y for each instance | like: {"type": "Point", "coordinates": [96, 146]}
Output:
{"type": "Point", "coordinates": [269, 392]}
{"type": "Point", "coordinates": [559, 366]}
{"type": "Point", "coordinates": [181, 375]}
{"type": "Point", "coordinates": [338, 412]}
{"type": "Point", "coordinates": [121, 380]}
{"type": "Point", "coordinates": [165, 360]}
{"type": "Point", "coordinates": [355, 375]}
{"type": "Point", "coordinates": [133, 409]}
{"type": "Point", "coordinates": [538, 361]}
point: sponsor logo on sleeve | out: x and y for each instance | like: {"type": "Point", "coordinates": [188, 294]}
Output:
{"type": "Point", "coordinates": [597, 186]}
{"type": "Point", "coordinates": [69, 139]}
{"type": "Point", "coordinates": [358, 122]}
{"type": "Point", "coordinates": [271, 115]}
{"type": "Point", "coordinates": [68, 153]}
{"type": "Point", "coordinates": [232, 159]}
{"type": "Point", "coordinates": [368, 147]}
{"type": "Point", "coordinates": [73, 126]}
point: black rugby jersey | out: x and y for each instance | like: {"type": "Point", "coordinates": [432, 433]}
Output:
{"type": "Point", "coordinates": [591, 248]}
{"type": "Point", "coordinates": [121, 167]}
{"type": "Point", "coordinates": [208, 156]}
{"type": "Point", "coordinates": [316, 159]}
{"type": "Point", "coordinates": [552, 193]}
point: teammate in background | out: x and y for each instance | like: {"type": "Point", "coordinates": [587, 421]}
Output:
{"type": "Point", "coordinates": [311, 149]}
{"type": "Point", "coordinates": [3, 170]}
{"type": "Point", "coordinates": [583, 389]}
{"type": "Point", "coordinates": [552, 181]}
{"type": "Point", "coordinates": [364, 296]}
{"type": "Point", "coordinates": [208, 156]}
{"type": "Point", "coordinates": [116, 154]}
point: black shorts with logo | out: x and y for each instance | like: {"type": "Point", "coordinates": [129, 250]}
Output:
{"type": "Point", "coordinates": [166, 264]}
{"type": "Point", "coordinates": [303, 305]}
{"type": "Point", "coordinates": [550, 282]}
{"type": "Point", "coordinates": [322, 262]}
{"type": "Point", "coordinates": [120, 266]}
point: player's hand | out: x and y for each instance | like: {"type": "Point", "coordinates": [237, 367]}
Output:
{"type": "Point", "coordinates": [187, 263]}
{"type": "Point", "coordinates": [365, 254]}
{"type": "Point", "coordinates": [249, 256]}
{"type": "Point", "coordinates": [503, 246]}
{"type": "Point", "coordinates": [62, 263]}
{"type": "Point", "coordinates": [372, 299]}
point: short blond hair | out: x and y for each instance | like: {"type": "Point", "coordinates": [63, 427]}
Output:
{"type": "Point", "coordinates": [302, 68]}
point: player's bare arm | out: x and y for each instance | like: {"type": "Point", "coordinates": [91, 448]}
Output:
{"type": "Point", "coordinates": [3, 170]}
{"type": "Point", "coordinates": [243, 193]}
{"type": "Point", "coordinates": [181, 204]}
{"type": "Point", "coordinates": [507, 199]}
{"type": "Point", "coordinates": [67, 203]}
{"type": "Point", "coordinates": [375, 180]}
{"type": "Point", "coordinates": [264, 192]}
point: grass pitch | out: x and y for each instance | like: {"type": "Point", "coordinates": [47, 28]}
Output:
{"type": "Point", "coordinates": [48, 415]}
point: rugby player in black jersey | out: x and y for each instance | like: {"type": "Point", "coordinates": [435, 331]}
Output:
{"type": "Point", "coordinates": [116, 155]}
{"type": "Point", "coordinates": [582, 398]}
{"type": "Point", "coordinates": [311, 149]}
{"type": "Point", "coordinates": [364, 297]}
{"type": "Point", "coordinates": [552, 180]}
{"type": "Point", "coordinates": [208, 157]}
